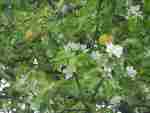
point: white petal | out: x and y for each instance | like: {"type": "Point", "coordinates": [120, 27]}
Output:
{"type": "Point", "coordinates": [3, 81]}
{"type": "Point", "coordinates": [131, 71]}
{"type": "Point", "coordinates": [1, 89]}
{"type": "Point", "coordinates": [117, 51]}
{"type": "Point", "coordinates": [23, 106]}
{"type": "Point", "coordinates": [7, 84]}
{"type": "Point", "coordinates": [35, 61]}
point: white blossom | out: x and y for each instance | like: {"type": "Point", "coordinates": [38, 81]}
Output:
{"type": "Point", "coordinates": [118, 51]}
{"type": "Point", "coordinates": [131, 71]}
{"type": "Point", "coordinates": [75, 47]}
{"type": "Point", "coordinates": [95, 55]}
{"type": "Point", "coordinates": [14, 109]}
{"type": "Point", "coordinates": [109, 106]}
{"type": "Point", "coordinates": [68, 71]}
{"type": "Point", "coordinates": [3, 84]}
{"type": "Point", "coordinates": [7, 84]}
{"type": "Point", "coordinates": [115, 50]}
{"type": "Point", "coordinates": [9, 102]}
{"type": "Point", "coordinates": [116, 100]}
{"type": "Point", "coordinates": [68, 76]}
{"type": "Point", "coordinates": [23, 106]}
{"type": "Point", "coordinates": [72, 46]}
{"type": "Point", "coordinates": [1, 89]}
{"type": "Point", "coordinates": [35, 62]}
{"type": "Point", "coordinates": [3, 81]}
{"type": "Point", "coordinates": [134, 11]}
{"type": "Point", "coordinates": [83, 46]}
{"type": "Point", "coordinates": [3, 67]}
{"type": "Point", "coordinates": [99, 106]}
{"type": "Point", "coordinates": [119, 112]}
{"type": "Point", "coordinates": [36, 112]}
{"type": "Point", "coordinates": [108, 71]}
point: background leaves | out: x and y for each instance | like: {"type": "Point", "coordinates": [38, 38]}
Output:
{"type": "Point", "coordinates": [34, 36]}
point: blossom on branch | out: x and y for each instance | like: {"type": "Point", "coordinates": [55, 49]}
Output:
{"type": "Point", "coordinates": [115, 50]}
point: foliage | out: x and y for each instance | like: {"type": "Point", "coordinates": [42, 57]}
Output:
{"type": "Point", "coordinates": [67, 56]}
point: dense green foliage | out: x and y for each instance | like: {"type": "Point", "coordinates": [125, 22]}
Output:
{"type": "Point", "coordinates": [52, 59]}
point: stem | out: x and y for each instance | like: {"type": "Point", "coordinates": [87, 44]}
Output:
{"type": "Point", "coordinates": [97, 87]}
{"type": "Point", "coordinates": [80, 91]}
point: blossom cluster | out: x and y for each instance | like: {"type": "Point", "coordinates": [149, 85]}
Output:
{"type": "Point", "coordinates": [112, 50]}
{"type": "Point", "coordinates": [4, 84]}
{"type": "Point", "coordinates": [134, 11]}
{"type": "Point", "coordinates": [75, 46]}
{"type": "Point", "coordinates": [115, 50]}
